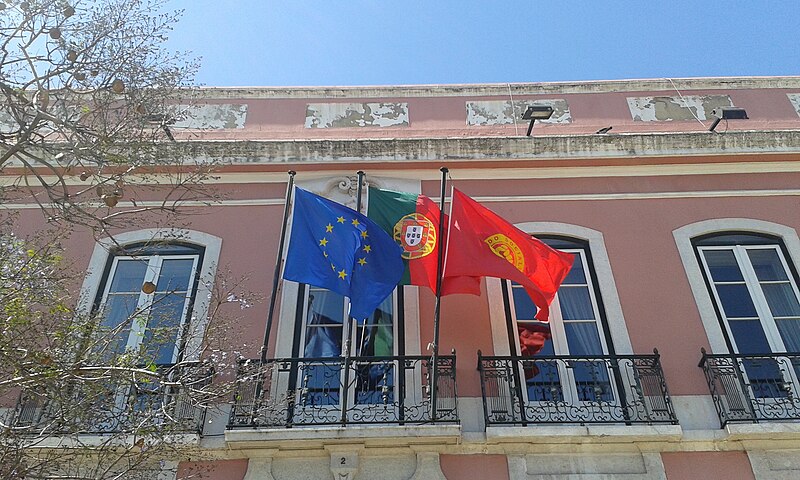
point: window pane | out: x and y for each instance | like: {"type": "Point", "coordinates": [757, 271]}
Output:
{"type": "Point", "coordinates": [324, 324]}
{"type": "Point", "coordinates": [576, 274]}
{"type": "Point", "coordinates": [375, 335]}
{"type": "Point", "coordinates": [320, 382]}
{"type": "Point", "coordinates": [790, 333]}
{"type": "Point", "coordinates": [523, 306]}
{"type": "Point", "coordinates": [592, 381]}
{"type": "Point", "coordinates": [129, 276]}
{"type": "Point", "coordinates": [375, 383]}
{"type": "Point", "coordinates": [162, 327]}
{"type": "Point", "coordinates": [583, 338]}
{"type": "Point", "coordinates": [543, 381]}
{"type": "Point", "coordinates": [175, 275]}
{"type": "Point", "coordinates": [327, 303]}
{"type": "Point", "coordinates": [323, 337]}
{"type": "Point", "coordinates": [576, 304]}
{"type": "Point", "coordinates": [749, 336]}
{"type": "Point", "coordinates": [534, 339]}
{"type": "Point", "coordinates": [736, 301]}
{"type": "Point", "coordinates": [781, 299]}
{"type": "Point", "coordinates": [767, 264]}
{"type": "Point", "coordinates": [722, 265]}
{"type": "Point", "coordinates": [118, 310]}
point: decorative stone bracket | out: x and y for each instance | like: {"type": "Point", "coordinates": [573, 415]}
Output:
{"type": "Point", "coordinates": [344, 463]}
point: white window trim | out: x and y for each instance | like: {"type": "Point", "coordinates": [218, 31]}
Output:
{"type": "Point", "coordinates": [208, 270]}
{"type": "Point", "coordinates": [605, 280]}
{"type": "Point", "coordinates": [705, 304]}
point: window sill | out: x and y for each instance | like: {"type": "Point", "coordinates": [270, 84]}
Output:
{"type": "Point", "coordinates": [104, 440]}
{"type": "Point", "coordinates": [584, 434]}
{"type": "Point", "coordinates": [763, 431]}
{"type": "Point", "coordinates": [370, 435]}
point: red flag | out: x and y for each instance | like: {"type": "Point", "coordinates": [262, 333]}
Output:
{"type": "Point", "coordinates": [531, 341]}
{"type": "Point", "coordinates": [482, 244]}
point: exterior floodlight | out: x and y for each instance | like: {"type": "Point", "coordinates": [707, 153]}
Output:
{"type": "Point", "coordinates": [536, 112]}
{"type": "Point", "coordinates": [727, 113]}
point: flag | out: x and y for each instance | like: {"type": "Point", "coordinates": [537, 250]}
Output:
{"type": "Point", "coordinates": [413, 220]}
{"type": "Point", "coordinates": [481, 243]}
{"type": "Point", "coordinates": [337, 248]}
{"type": "Point", "coordinates": [532, 339]}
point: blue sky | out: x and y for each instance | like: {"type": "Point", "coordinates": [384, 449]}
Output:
{"type": "Point", "coordinates": [383, 42]}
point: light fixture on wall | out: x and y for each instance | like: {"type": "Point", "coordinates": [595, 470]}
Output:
{"type": "Point", "coordinates": [536, 112]}
{"type": "Point", "coordinates": [727, 113]}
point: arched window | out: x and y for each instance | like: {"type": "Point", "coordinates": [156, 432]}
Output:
{"type": "Point", "coordinates": [577, 328]}
{"type": "Point", "coordinates": [146, 297]}
{"type": "Point", "coordinates": [744, 280]}
{"type": "Point", "coordinates": [150, 291]}
{"type": "Point", "coordinates": [754, 287]}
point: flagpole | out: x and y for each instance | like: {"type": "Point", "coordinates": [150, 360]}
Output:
{"type": "Point", "coordinates": [436, 310]}
{"type": "Point", "coordinates": [348, 323]}
{"type": "Point", "coordinates": [277, 273]}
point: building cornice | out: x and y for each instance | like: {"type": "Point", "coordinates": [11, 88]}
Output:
{"type": "Point", "coordinates": [502, 89]}
{"type": "Point", "coordinates": [492, 149]}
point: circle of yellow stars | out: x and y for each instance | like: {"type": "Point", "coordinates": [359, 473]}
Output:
{"type": "Point", "coordinates": [365, 248]}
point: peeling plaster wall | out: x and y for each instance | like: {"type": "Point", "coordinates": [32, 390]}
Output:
{"type": "Point", "coordinates": [499, 112]}
{"type": "Point", "coordinates": [795, 99]}
{"type": "Point", "coordinates": [344, 115]}
{"type": "Point", "coordinates": [222, 116]}
{"type": "Point", "coordinates": [659, 109]}
{"type": "Point", "coordinates": [7, 122]}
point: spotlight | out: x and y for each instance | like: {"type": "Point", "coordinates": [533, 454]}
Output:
{"type": "Point", "coordinates": [727, 113]}
{"type": "Point", "coordinates": [536, 112]}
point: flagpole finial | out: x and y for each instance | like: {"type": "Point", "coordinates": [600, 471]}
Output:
{"type": "Point", "coordinates": [444, 169]}
{"type": "Point", "coordinates": [291, 173]}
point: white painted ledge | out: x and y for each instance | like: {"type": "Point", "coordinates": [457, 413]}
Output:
{"type": "Point", "coordinates": [763, 431]}
{"type": "Point", "coordinates": [372, 435]}
{"type": "Point", "coordinates": [585, 434]}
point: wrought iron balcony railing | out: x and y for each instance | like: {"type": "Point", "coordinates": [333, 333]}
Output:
{"type": "Point", "coordinates": [118, 405]}
{"type": "Point", "coordinates": [753, 388]}
{"type": "Point", "coordinates": [289, 392]}
{"type": "Point", "coordinates": [578, 390]}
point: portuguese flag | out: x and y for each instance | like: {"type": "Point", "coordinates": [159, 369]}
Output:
{"type": "Point", "coordinates": [413, 221]}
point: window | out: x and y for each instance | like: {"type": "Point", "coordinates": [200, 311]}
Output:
{"type": "Point", "coordinates": [180, 264]}
{"type": "Point", "coordinates": [576, 329]}
{"type": "Point", "coordinates": [146, 299]}
{"type": "Point", "coordinates": [754, 290]}
{"type": "Point", "coordinates": [756, 297]}
{"type": "Point", "coordinates": [326, 335]}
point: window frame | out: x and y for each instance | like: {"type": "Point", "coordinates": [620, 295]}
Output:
{"type": "Point", "coordinates": [602, 275]}
{"type": "Point", "coordinates": [155, 255]}
{"type": "Point", "coordinates": [98, 269]}
{"type": "Point", "coordinates": [706, 306]}
{"type": "Point", "coordinates": [739, 248]}
{"type": "Point", "coordinates": [570, 392]}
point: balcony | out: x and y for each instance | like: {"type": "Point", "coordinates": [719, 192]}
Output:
{"type": "Point", "coordinates": [574, 390]}
{"type": "Point", "coordinates": [295, 392]}
{"type": "Point", "coordinates": [117, 406]}
{"type": "Point", "coordinates": [753, 388]}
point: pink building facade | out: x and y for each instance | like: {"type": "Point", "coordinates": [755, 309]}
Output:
{"type": "Point", "coordinates": [686, 249]}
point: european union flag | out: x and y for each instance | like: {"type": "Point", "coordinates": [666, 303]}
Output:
{"type": "Point", "coordinates": [337, 248]}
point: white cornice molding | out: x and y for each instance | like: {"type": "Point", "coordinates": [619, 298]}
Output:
{"type": "Point", "coordinates": [500, 89]}
{"type": "Point", "coordinates": [487, 150]}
